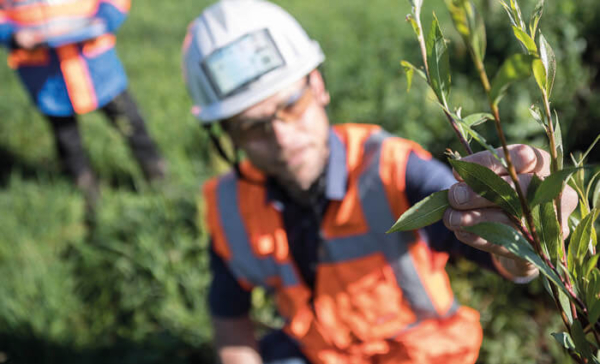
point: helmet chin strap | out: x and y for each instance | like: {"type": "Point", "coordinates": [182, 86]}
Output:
{"type": "Point", "coordinates": [234, 160]}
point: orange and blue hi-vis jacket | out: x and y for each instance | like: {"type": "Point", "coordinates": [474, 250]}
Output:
{"type": "Point", "coordinates": [74, 72]}
{"type": "Point", "coordinates": [378, 298]}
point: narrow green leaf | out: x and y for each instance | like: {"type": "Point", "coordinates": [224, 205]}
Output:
{"type": "Point", "coordinates": [507, 237]}
{"type": "Point", "coordinates": [459, 17]}
{"type": "Point", "coordinates": [536, 114]}
{"type": "Point", "coordinates": [580, 241]}
{"type": "Point", "coordinates": [566, 305]}
{"type": "Point", "coordinates": [509, 12]}
{"type": "Point", "coordinates": [515, 68]}
{"type": "Point", "coordinates": [547, 286]}
{"type": "Point", "coordinates": [477, 119]}
{"type": "Point", "coordinates": [549, 60]}
{"type": "Point", "coordinates": [469, 25]}
{"type": "Point", "coordinates": [550, 187]}
{"type": "Point", "coordinates": [409, 75]}
{"type": "Point", "coordinates": [478, 34]}
{"type": "Point", "coordinates": [466, 124]}
{"type": "Point", "coordinates": [592, 296]}
{"type": "Point", "coordinates": [489, 186]}
{"type": "Point", "coordinates": [564, 339]}
{"type": "Point", "coordinates": [514, 14]}
{"type": "Point", "coordinates": [535, 18]}
{"type": "Point", "coordinates": [410, 70]}
{"type": "Point", "coordinates": [534, 184]}
{"type": "Point", "coordinates": [463, 129]}
{"type": "Point", "coordinates": [525, 40]}
{"type": "Point", "coordinates": [582, 346]}
{"type": "Point", "coordinates": [425, 212]}
{"type": "Point", "coordinates": [558, 142]}
{"type": "Point", "coordinates": [516, 10]}
{"type": "Point", "coordinates": [590, 264]}
{"type": "Point", "coordinates": [483, 142]}
{"type": "Point", "coordinates": [438, 62]}
{"type": "Point", "coordinates": [539, 73]}
{"type": "Point", "coordinates": [590, 185]}
{"type": "Point", "coordinates": [413, 23]}
{"type": "Point", "coordinates": [594, 236]}
{"type": "Point", "coordinates": [596, 196]}
{"type": "Point", "coordinates": [548, 229]}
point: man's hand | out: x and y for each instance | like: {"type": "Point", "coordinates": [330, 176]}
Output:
{"type": "Point", "coordinates": [28, 39]}
{"type": "Point", "coordinates": [468, 208]}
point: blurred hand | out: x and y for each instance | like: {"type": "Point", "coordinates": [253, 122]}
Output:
{"type": "Point", "coordinates": [467, 208]}
{"type": "Point", "coordinates": [28, 39]}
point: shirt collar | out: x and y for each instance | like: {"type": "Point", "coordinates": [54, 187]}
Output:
{"type": "Point", "coordinates": [336, 174]}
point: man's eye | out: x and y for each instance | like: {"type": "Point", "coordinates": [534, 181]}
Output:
{"type": "Point", "coordinates": [291, 106]}
{"type": "Point", "coordinates": [255, 125]}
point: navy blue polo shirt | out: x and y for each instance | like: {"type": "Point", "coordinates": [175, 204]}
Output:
{"type": "Point", "coordinates": [302, 223]}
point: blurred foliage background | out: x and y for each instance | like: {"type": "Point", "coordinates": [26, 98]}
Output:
{"type": "Point", "coordinates": [133, 288]}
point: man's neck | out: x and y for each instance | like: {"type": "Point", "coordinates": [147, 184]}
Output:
{"type": "Point", "coordinates": [306, 197]}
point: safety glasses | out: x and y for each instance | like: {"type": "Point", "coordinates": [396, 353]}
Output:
{"type": "Point", "coordinates": [290, 111]}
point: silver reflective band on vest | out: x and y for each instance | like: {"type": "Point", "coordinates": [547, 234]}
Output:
{"type": "Point", "coordinates": [245, 265]}
{"type": "Point", "coordinates": [377, 212]}
{"type": "Point", "coordinates": [244, 60]}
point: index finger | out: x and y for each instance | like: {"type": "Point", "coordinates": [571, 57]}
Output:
{"type": "Point", "coordinates": [526, 159]}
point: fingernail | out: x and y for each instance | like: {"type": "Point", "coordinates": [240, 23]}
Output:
{"type": "Point", "coordinates": [460, 195]}
{"type": "Point", "coordinates": [454, 219]}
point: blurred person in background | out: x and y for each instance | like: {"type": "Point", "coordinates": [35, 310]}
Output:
{"type": "Point", "coordinates": [64, 53]}
{"type": "Point", "coordinates": [304, 215]}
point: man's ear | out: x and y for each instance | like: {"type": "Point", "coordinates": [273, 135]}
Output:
{"type": "Point", "coordinates": [318, 88]}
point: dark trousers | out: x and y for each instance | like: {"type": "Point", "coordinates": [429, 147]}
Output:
{"type": "Point", "coordinates": [278, 348]}
{"type": "Point", "coordinates": [124, 114]}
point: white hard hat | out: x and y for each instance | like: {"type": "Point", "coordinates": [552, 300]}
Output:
{"type": "Point", "coordinates": [239, 52]}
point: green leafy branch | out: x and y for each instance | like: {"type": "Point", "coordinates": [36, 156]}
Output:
{"type": "Point", "coordinates": [570, 270]}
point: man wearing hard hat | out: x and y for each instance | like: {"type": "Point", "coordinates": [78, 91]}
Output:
{"type": "Point", "coordinates": [64, 53]}
{"type": "Point", "coordinates": [304, 215]}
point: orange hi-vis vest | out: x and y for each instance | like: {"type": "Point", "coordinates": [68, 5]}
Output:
{"type": "Point", "coordinates": [378, 298]}
{"type": "Point", "coordinates": [78, 70]}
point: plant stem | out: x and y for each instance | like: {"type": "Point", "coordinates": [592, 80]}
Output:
{"type": "Point", "coordinates": [510, 166]}
{"type": "Point", "coordinates": [421, 40]}
{"type": "Point", "coordinates": [554, 168]}
{"type": "Point", "coordinates": [451, 120]}
{"type": "Point", "coordinates": [554, 156]}
{"type": "Point", "coordinates": [553, 152]}
{"type": "Point", "coordinates": [563, 315]}
{"type": "Point", "coordinates": [454, 125]}
{"type": "Point", "coordinates": [482, 75]}
{"type": "Point", "coordinates": [513, 176]}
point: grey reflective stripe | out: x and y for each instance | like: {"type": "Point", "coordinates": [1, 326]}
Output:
{"type": "Point", "coordinates": [379, 217]}
{"type": "Point", "coordinates": [244, 264]}
{"type": "Point", "coordinates": [358, 246]}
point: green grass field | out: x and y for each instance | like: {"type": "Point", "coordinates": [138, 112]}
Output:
{"type": "Point", "coordinates": [132, 290]}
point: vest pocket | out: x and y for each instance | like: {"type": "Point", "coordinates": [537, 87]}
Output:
{"type": "Point", "coordinates": [361, 297]}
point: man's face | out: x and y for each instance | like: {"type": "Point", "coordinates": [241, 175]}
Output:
{"type": "Point", "coordinates": [286, 135]}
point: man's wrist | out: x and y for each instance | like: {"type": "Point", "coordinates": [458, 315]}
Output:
{"type": "Point", "coordinates": [516, 270]}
